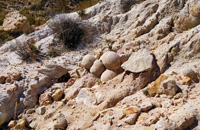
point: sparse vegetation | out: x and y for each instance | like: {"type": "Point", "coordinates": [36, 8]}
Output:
{"type": "Point", "coordinates": [28, 52]}
{"type": "Point", "coordinates": [68, 32]}
{"type": "Point", "coordinates": [39, 11]}
{"type": "Point", "coordinates": [54, 53]}
{"type": "Point", "coordinates": [110, 47]}
{"type": "Point", "coordinates": [146, 92]}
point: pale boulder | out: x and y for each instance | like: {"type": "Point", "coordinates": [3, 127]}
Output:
{"type": "Point", "coordinates": [139, 62]}
{"type": "Point", "coordinates": [88, 61]}
{"type": "Point", "coordinates": [108, 75]}
{"type": "Point", "coordinates": [111, 60]}
{"type": "Point", "coordinates": [97, 68]}
{"type": "Point", "coordinates": [15, 22]}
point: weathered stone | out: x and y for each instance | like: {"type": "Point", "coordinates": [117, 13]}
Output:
{"type": "Point", "coordinates": [33, 124]}
{"type": "Point", "coordinates": [186, 80]}
{"type": "Point", "coordinates": [86, 96]}
{"type": "Point", "coordinates": [88, 61]}
{"type": "Point", "coordinates": [41, 110]}
{"type": "Point", "coordinates": [60, 122]}
{"type": "Point", "coordinates": [16, 76]}
{"type": "Point", "coordinates": [111, 60]}
{"type": "Point", "coordinates": [108, 75]}
{"type": "Point", "coordinates": [190, 73]}
{"type": "Point", "coordinates": [153, 89]}
{"type": "Point", "coordinates": [145, 106]}
{"type": "Point", "coordinates": [168, 87]}
{"type": "Point", "coordinates": [131, 119]}
{"type": "Point", "coordinates": [97, 68]}
{"type": "Point", "coordinates": [130, 110]}
{"type": "Point", "coordinates": [45, 99]}
{"type": "Point", "coordinates": [57, 95]}
{"type": "Point", "coordinates": [15, 22]}
{"type": "Point", "coordinates": [139, 62]}
{"type": "Point", "coordinates": [53, 71]}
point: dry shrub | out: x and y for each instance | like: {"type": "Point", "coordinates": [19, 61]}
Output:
{"type": "Point", "coordinates": [67, 31]}
{"type": "Point", "coordinates": [28, 52]}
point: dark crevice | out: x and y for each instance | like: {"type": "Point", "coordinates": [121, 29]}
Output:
{"type": "Point", "coordinates": [64, 78]}
{"type": "Point", "coordinates": [193, 126]}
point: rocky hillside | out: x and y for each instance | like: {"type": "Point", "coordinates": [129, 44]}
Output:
{"type": "Point", "coordinates": [37, 12]}
{"type": "Point", "coordinates": [120, 65]}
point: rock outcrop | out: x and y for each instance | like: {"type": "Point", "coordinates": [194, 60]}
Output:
{"type": "Point", "coordinates": [140, 61]}
{"type": "Point", "coordinates": [140, 71]}
{"type": "Point", "coordinates": [15, 22]}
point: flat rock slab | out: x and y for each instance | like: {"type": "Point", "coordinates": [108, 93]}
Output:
{"type": "Point", "coordinates": [139, 62]}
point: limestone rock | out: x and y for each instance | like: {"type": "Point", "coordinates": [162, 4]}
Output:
{"type": "Point", "coordinates": [188, 16]}
{"type": "Point", "coordinates": [33, 124]}
{"type": "Point", "coordinates": [153, 90]}
{"type": "Point", "coordinates": [186, 80]}
{"type": "Point", "coordinates": [57, 95]}
{"type": "Point", "coordinates": [41, 110]}
{"type": "Point", "coordinates": [86, 96]}
{"type": "Point", "coordinates": [53, 71]}
{"type": "Point", "coordinates": [45, 99]}
{"type": "Point", "coordinates": [188, 72]}
{"type": "Point", "coordinates": [131, 119]}
{"type": "Point", "coordinates": [60, 122]}
{"type": "Point", "coordinates": [108, 75]}
{"type": "Point", "coordinates": [15, 22]}
{"type": "Point", "coordinates": [97, 68]}
{"type": "Point", "coordinates": [145, 106]}
{"type": "Point", "coordinates": [88, 61]}
{"type": "Point", "coordinates": [111, 60]}
{"type": "Point", "coordinates": [139, 62]}
{"type": "Point", "coordinates": [181, 119]}
{"type": "Point", "coordinates": [168, 87]}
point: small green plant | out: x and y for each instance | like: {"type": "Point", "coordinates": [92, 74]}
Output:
{"type": "Point", "coordinates": [110, 47]}
{"type": "Point", "coordinates": [146, 92]}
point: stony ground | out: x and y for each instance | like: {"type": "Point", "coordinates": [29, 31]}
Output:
{"type": "Point", "coordinates": [137, 68]}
